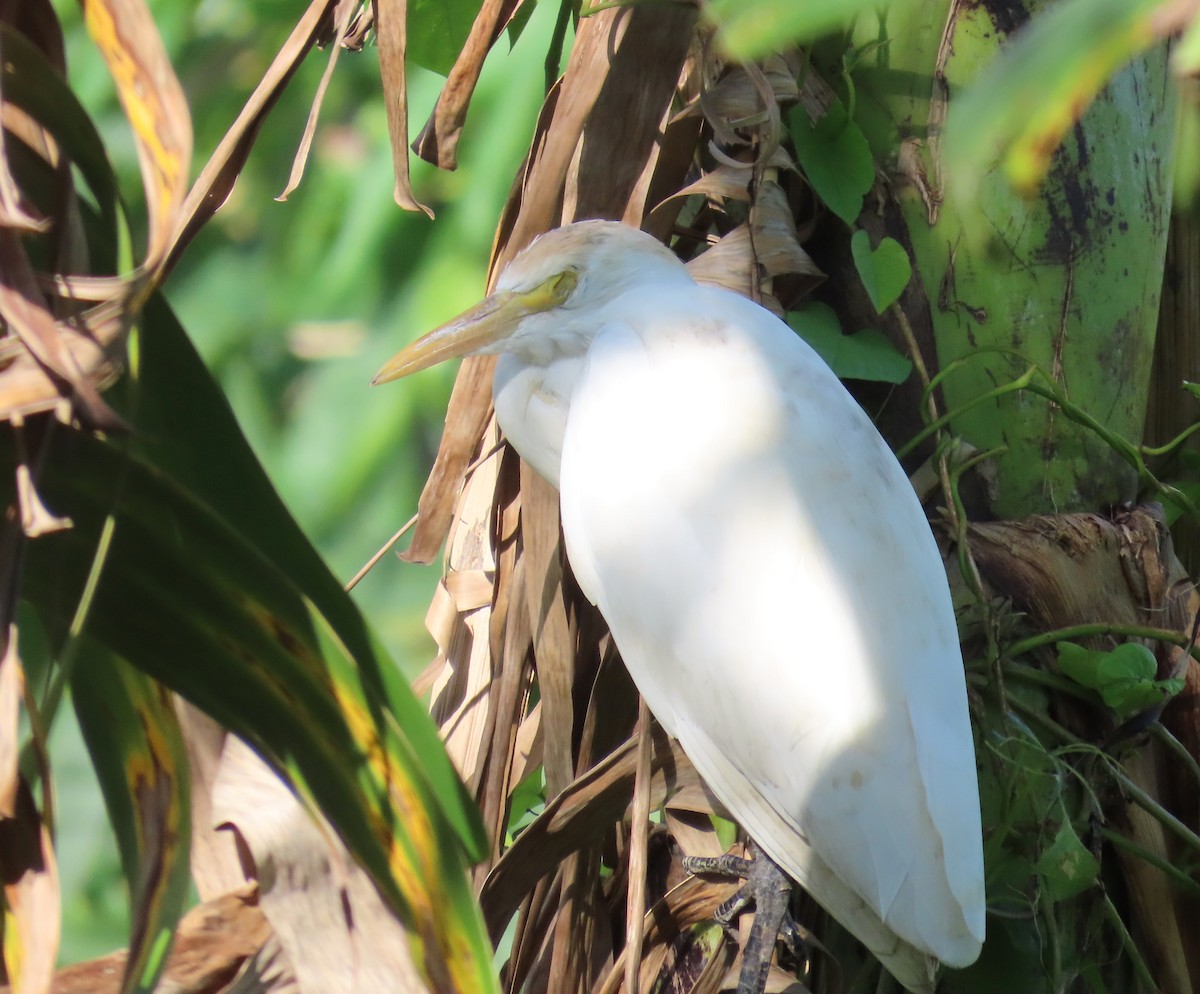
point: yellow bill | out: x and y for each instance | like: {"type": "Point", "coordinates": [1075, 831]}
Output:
{"type": "Point", "coordinates": [491, 320]}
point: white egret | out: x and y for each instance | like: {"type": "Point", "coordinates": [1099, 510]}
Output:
{"type": "Point", "coordinates": [766, 570]}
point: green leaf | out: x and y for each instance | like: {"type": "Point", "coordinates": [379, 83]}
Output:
{"type": "Point", "coordinates": [751, 28]}
{"type": "Point", "coordinates": [32, 84]}
{"type": "Point", "coordinates": [437, 30]}
{"type": "Point", "coordinates": [885, 271]}
{"type": "Point", "coordinates": [1173, 510]}
{"type": "Point", "coordinates": [189, 602]}
{"type": "Point", "coordinates": [1124, 676]}
{"type": "Point", "coordinates": [865, 355]}
{"type": "Point", "coordinates": [1185, 59]}
{"type": "Point", "coordinates": [1094, 668]}
{"type": "Point", "coordinates": [1067, 867]}
{"type": "Point", "coordinates": [210, 457]}
{"type": "Point", "coordinates": [135, 744]}
{"type": "Point", "coordinates": [211, 588]}
{"type": "Point", "coordinates": [835, 157]}
{"type": "Point", "coordinates": [527, 801]}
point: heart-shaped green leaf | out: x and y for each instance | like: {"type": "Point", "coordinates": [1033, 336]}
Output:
{"type": "Point", "coordinates": [1124, 676]}
{"type": "Point", "coordinates": [885, 271]}
{"type": "Point", "coordinates": [835, 157]}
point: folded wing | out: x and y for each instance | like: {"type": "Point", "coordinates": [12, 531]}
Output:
{"type": "Point", "coordinates": [776, 593]}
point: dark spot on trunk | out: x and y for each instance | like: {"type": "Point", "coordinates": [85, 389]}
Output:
{"type": "Point", "coordinates": [1078, 215]}
{"type": "Point", "coordinates": [1007, 15]}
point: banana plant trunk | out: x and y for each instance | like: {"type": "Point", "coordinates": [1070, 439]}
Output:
{"type": "Point", "coordinates": [1068, 279]}
{"type": "Point", "coordinates": [1066, 283]}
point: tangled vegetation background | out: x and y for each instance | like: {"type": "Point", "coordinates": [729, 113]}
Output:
{"type": "Point", "coordinates": [977, 243]}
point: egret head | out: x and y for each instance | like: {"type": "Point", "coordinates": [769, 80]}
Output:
{"type": "Point", "coordinates": [549, 300]}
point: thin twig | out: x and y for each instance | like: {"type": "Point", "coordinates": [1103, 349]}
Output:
{"type": "Point", "coordinates": [1074, 632]}
{"type": "Point", "coordinates": [383, 551]}
{"type": "Point", "coordinates": [639, 841]}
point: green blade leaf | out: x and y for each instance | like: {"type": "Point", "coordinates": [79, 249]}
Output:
{"type": "Point", "coordinates": [187, 600]}
{"type": "Point", "coordinates": [210, 457]}
{"type": "Point", "coordinates": [136, 746]}
{"type": "Point", "coordinates": [437, 30]}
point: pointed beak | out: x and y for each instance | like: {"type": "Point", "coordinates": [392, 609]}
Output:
{"type": "Point", "coordinates": [491, 320]}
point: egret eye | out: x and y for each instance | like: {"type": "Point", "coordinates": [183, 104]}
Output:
{"type": "Point", "coordinates": [561, 287]}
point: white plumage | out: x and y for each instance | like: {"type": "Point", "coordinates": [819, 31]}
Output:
{"type": "Point", "coordinates": [764, 565]}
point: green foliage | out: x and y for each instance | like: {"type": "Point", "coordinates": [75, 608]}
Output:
{"type": "Point", "coordinates": [865, 355]}
{"type": "Point", "coordinates": [1187, 483]}
{"type": "Point", "coordinates": [437, 30]}
{"type": "Point", "coordinates": [137, 749]}
{"type": "Point", "coordinates": [753, 28]}
{"type": "Point", "coordinates": [884, 270]}
{"type": "Point", "coordinates": [1124, 676]}
{"type": "Point", "coordinates": [203, 581]}
{"type": "Point", "coordinates": [526, 803]}
{"type": "Point", "coordinates": [835, 157]}
{"type": "Point", "coordinates": [1067, 867]}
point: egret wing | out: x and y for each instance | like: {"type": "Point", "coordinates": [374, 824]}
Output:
{"type": "Point", "coordinates": [776, 593]}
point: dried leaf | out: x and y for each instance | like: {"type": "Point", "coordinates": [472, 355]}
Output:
{"type": "Point", "coordinates": [638, 71]}
{"type": "Point", "coordinates": [509, 638]}
{"type": "Point", "coordinates": [639, 838]}
{"type": "Point", "coordinates": [553, 647]}
{"type": "Point", "coordinates": [344, 15]}
{"type": "Point", "coordinates": [15, 212]}
{"type": "Point", "coordinates": [438, 141]}
{"type": "Point", "coordinates": [36, 518]}
{"type": "Point", "coordinates": [213, 942]}
{"type": "Point", "coordinates": [578, 815]}
{"type": "Point", "coordinates": [466, 416]}
{"type": "Point", "coordinates": [157, 110]}
{"type": "Point", "coordinates": [528, 748]}
{"type": "Point", "coordinates": [219, 174]}
{"type": "Point", "coordinates": [390, 32]}
{"type": "Point", "coordinates": [692, 831]}
{"type": "Point", "coordinates": [740, 260]}
{"type": "Point", "coordinates": [33, 915]}
{"type": "Point", "coordinates": [731, 181]}
{"type": "Point", "coordinates": [747, 98]}
{"type": "Point", "coordinates": [328, 916]}
{"type": "Point", "coordinates": [691, 902]}
{"type": "Point", "coordinates": [462, 691]}
{"type": "Point", "coordinates": [26, 311]}
{"type": "Point", "coordinates": [12, 689]}
{"type": "Point", "coordinates": [216, 864]}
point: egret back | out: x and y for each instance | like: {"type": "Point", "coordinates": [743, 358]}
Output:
{"type": "Point", "coordinates": [775, 591]}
